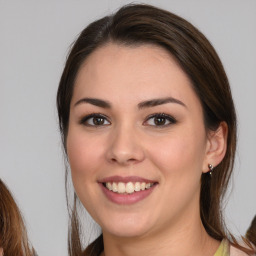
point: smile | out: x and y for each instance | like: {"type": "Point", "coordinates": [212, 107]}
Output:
{"type": "Point", "coordinates": [129, 187]}
{"type": "Point", "coordinates": [127, 190]}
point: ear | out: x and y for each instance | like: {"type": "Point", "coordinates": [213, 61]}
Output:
{"type": "Point", "coordinates": [216, 146]}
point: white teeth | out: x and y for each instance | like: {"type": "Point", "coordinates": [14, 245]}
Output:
{"type": "Point", "coordinates": [121, 187]}
{"type": "Point", "coordinates": [147, 185]}
{"type": "Point", "coordinates": [109, 185]}
{"type": "Point", "coordinates": [114, 187]}
{"type": "Point", "coordinates": [128, 188]}
{"type": "Point", "coordinates": [137, 186]}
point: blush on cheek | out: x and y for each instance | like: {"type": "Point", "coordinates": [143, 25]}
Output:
{"type": "Point", "coordinates": [84, 155]}
{"type": "Point", "coordinates": [169, 153]}
{"type": "Point", "coordinates": [177, 155]}
{"type": "Point", "coordinates": [81, 162]}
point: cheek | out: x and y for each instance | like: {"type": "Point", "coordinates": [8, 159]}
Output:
{"type": "Point", "coordinates": [84, 154]}
{"type": "Point", "coordinates": [179, 153]}
{"type": "Point", "coordinates": [178, 158]}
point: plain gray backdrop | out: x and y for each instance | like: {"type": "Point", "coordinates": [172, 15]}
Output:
{"type": "Point", "coordinates": [34, 40]}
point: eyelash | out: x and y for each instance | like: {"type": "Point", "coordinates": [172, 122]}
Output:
{"type": "Point", "coordinates": [93, 115]}
{"type": "Point", "coordinates": [170, 119]}
{"type": "Point", "coordinates": [164, 116]}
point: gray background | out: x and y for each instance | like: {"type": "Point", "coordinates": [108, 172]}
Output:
{"type": "Point", "coordinates": [34, 41]}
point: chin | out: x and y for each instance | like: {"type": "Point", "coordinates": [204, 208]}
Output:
{"type": "Point", "coordinates": [126, 227]}
{"type": "Point", "coordinates": [125, 231]}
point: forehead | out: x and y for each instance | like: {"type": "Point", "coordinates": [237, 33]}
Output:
{"type": "Point", "coordinates": [128, 73]}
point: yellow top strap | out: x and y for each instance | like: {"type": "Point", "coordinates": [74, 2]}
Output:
{"type": "Point", "coordinates": [223, 249]}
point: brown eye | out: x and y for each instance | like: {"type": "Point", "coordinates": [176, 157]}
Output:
{"type": "Point", "coordinates": [98, 121]}
{"type": "Point", "coordinates": [95, 120]}
{"type": "Point", "coordinates": [160, 120]}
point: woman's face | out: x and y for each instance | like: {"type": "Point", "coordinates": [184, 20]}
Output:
{"type": "Point", "coordinates": [136, 126]}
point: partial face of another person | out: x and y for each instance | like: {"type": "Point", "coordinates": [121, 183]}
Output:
{"type": "Point", "coordinates": [136, 142]}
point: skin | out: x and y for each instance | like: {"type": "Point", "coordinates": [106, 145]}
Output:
{"type": "Point", "coordinates": [129, 143]}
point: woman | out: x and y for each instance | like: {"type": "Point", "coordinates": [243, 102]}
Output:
{"type": "Point", "coordinates": [13, 234]}
{"type": "Point", "coordinates": [149, 129]}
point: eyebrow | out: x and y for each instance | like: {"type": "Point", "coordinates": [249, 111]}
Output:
{"type": "Point", "coordinates": [161, 101]}
{"type": "Point", "coordinates": [144, 104]}
{"type": "Point", "coordinates": [95, 102]}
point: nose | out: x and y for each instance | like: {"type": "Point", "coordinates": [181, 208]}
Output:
{"type": "Point", "coordinates": [125, 147]}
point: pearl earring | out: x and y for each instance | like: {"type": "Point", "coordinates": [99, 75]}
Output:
{"type": "Point", "coordinates": [210, 169]}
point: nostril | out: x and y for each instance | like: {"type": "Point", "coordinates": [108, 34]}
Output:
{"type": "Point", "coordinates": [125, 154]}
{"type": "Point", "coordinates": [132, 160]}
{"type": "Point", "coordinates": [113, 160]}
{"type": "Point", "coordinates": [124, 160]}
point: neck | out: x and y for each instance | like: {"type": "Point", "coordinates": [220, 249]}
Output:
{"type": "Point", "coordinates": [190, 238]}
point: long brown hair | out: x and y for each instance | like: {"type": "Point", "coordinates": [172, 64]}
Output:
{"type": "Point", "coordinates": [143, 24]}
{"type": "Point", "coordinates": [251, 232]}
{"type": "Point", "coordinates": [13, 234]}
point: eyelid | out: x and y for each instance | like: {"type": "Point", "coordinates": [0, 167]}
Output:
{"type": "Point", "coordinates": [170, 118]}
{"type": "Point", "coordinates": [92, 115]}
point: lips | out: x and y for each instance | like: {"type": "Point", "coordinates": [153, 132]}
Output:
{"type": "Point", "coordinates": [130, 187]}
{"type": "Point", "coordinates": [127, 190]}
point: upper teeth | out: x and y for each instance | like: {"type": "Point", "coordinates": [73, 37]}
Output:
{"type": "Point", "coordinates": [130, 187]}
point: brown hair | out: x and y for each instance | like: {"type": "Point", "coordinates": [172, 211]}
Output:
{"type": "Point", "coordinates": [251, 232]}
{"type": "Point", "coordinates": [13, 234]}
{"type": "Point", "coordinates": [143, 24]}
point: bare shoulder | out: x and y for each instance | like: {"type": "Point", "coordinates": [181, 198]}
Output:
{"type": "Point", "coordinates": [236, 252]}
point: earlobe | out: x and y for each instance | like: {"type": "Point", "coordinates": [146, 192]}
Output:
{"type": "Point", "coordinates": [216, 146]}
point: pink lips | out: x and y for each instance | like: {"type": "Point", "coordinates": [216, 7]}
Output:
{"type": "Point", "coordinates": [126, 199]}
